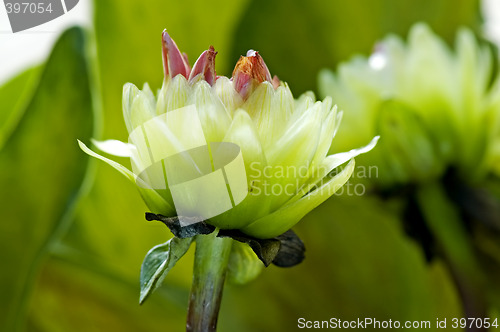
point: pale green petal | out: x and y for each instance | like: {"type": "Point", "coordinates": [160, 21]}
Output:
{"type": "Point", "coordinates": [142, 110]}
{"type": "Point", "coordinates": [291, 156]}
{"type": "Point", "coordinates": [358, 113]}
{"type": "Point", "coordinates": [173, 95]}
{"type": "Point", "coordinates": [138, 106]}
{"type": "Point", "coordinates": [429, 53]}
{"type": "Point", "coordinates": [329, 164]}
{"type": "Point", "coordinates": [328, 129]}
{"type": "Point", "coordinates": [146, 89]}
{"type": "Point", "coordinates": [286, 217]}
{"type": "Point", "coordinates": [122, 149]}
{"type": "Point", "coordinates": [394, 55]}
{"type": "Point", "coordinates": [431, 67]}
{"type": "Point", "coordinates": [414, 155]}
{"type": "Point", "coordinates": [168, 134]}
{"type": "Point", "coordinates": [227, 94]}
{"type": "Point", "coordinates": [214, 117]}
{"type": "Point", "coordinates": [156, 203]}
{"type": "Point", "coordinates": [153, 200]}
{"type": "Point", "coordinates": [120, 168]}
{"type": "Point", "coordinates": [328, 107]}
{"type": "Point", "coordinates": [327, 82]}
{"type": "Point", "coordinates": [340, 158]}
{"type": "Point", "coordinates": [243, 133]}
{"type": "Point", "coordinates": [299, 142]}
{"type": "Point", "coordinates": [130, 91]}
{"type": "Point", "coordinates": [338, 121]}
{"type": "Point", "coordinates": [304, 102]}
{"type": "Point", "coordinates": [481, 166]}
{"type": "Point", "coordinates": [164, 136]}
{"type": "Point", "coordinates": [270, 110]}
{"type": "Point", "coordinates": [475, 63]}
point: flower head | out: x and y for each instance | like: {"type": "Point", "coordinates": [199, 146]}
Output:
{"type": "Point", "coordinates": [238, 152]}
{"type": "Point", "coordinates": [436, 108]}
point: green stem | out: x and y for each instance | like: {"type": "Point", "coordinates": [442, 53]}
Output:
{"type": "Point", "coordinates": [445, 223]}
{"type": "Point", "coordinates": [210, 265]}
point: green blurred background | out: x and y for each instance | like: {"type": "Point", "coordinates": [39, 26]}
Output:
{"type": "Point", "coordinates": [72, 231]}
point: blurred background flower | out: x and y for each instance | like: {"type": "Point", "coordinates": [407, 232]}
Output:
{"type": "Point", "coordinates": [73, 234]}
{"type": "Point", "coordinates": [437, 108]}
{"type": "Point", "coordinates": [438, 111]}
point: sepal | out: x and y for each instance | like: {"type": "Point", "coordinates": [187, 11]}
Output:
{"type": "Point", "coordinates": [158, 262]}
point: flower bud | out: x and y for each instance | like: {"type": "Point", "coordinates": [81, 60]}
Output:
{"type": "Point", "coordinates": [239, 154]}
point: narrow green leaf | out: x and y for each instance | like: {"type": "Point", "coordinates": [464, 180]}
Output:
{"type": "Point", "coordinates": [158, 262]}
{"type": "Point", "coordinates": [41, 172]}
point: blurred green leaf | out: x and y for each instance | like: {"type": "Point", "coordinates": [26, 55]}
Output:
{"type": "Point", "coordinates": [298, 38]}
{"type": "Point", "coordinates": [159, 261]}
{"type": "Point", "coordinates": [42, 170]}
{"type": "Point", "coordinates": [78, 297]}
{"type": "Point", "coordinates": [14, 96]}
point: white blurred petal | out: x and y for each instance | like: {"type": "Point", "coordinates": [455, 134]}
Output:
{"type": "Point", "coordinates": [115, 147]}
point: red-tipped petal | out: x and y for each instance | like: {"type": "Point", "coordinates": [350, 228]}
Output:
{"type": "Point", "coordinates": [205, 65]}
{"type": "Point", "coordinates": [186, 60]}
{"type": "Point", "coordinates": [276, 82]}
{"type": "Point", "coordinates": [248, 71]}
{"type": "Point", "coordinates": [174, 62]}
{"type": "Point", "coordinates": [242, 78]}
{"type": "Point", "coordinates": [259, 67]}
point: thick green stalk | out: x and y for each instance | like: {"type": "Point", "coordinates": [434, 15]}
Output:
{"type": "Point", "coordinates": [446, 225]}
{"type": "Point", "coordinates": [210, 265]}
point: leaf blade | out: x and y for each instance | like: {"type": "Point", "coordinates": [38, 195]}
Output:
{"type": "Point", "coordinates": [158, 262]}
{"type": "Point", "coordinates": [14, 95]}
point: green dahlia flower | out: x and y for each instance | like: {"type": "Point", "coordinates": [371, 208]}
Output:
{"type": "Point", "coordinates": [240, 153]}
{"type": "Point", "coordinates": [434, 107]}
